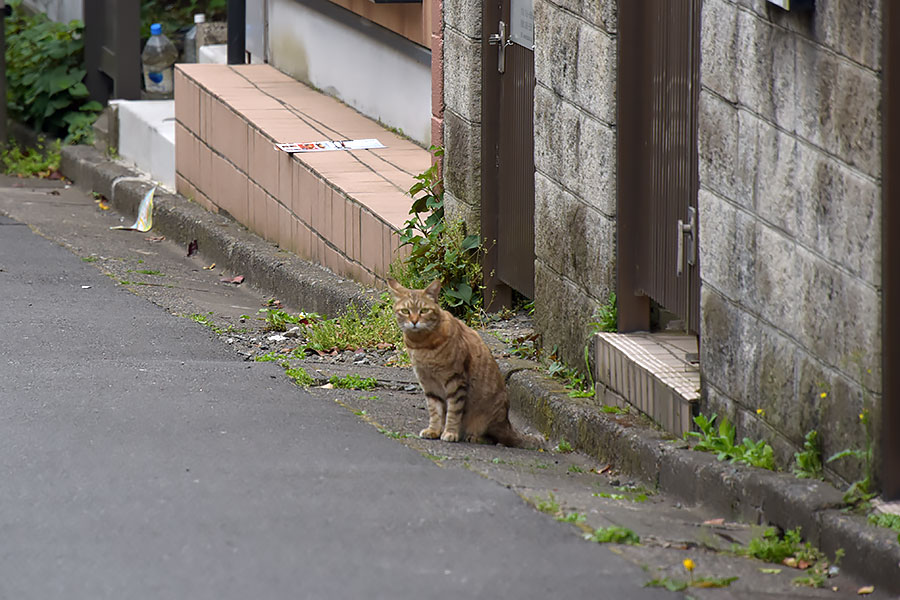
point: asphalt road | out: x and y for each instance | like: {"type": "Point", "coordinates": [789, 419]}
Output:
{"type": "Point", "coordinates": [142, 459]}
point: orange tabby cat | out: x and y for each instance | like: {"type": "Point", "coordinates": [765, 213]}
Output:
{"type": "Point", "coordinates": [463, 386]}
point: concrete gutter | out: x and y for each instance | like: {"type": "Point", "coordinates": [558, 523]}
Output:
{"type": "Point", "coordinates": [631, 445]}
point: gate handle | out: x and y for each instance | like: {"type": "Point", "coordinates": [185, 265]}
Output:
{"type": "Point", "coordinates": [500, 40]}
{"type": "Point", "coordinates": [689, 229]}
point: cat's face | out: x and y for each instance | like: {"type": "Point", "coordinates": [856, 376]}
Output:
{"type": "Point", "coordinates": [417, 311]}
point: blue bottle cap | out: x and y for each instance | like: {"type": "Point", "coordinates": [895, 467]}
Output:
{"type": "Point", "coordinates": [155, 29]}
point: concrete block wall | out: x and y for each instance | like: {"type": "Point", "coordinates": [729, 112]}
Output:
{"type": "Point", "coordinates": [575, 163]}
{"type": "Point", "coordinates": [790, 219]}
{"type": "Point", "coordinates": [462, 122]}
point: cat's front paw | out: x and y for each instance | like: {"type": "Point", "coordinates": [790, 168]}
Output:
{"type": "Point", "coordinates": [430, 434]}
{"type": "Point", "coordinates": [450, 436]}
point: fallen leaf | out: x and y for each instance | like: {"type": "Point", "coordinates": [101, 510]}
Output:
{"type": "Point", "coordinates": [235, 280]}
{"type": "Point", "coordinates": [53, 192]}
{"type": "Point", "coordinates": [327, 386]}
{"type": "Point", "coordinates": [383, 346]}
{"type": "Point", "coordinates": [866, 589]}
{"type": "Point", "coordinates": [103, 205]}
{"type": "Point", "coordinates": [155, 238]}
{"type": "Point", "coordinates": [790, 562]}
{"type": "Point", "coordinates": [803, 564]}
{"type": "Point", "coordinates": [719, 521]}
{"type": "Point", "coordinates": [210, 267]}
{"type": "Point", "coordinates": [770, 571]}
{"type": "Point", "coordinates": [55, 174]}
{"type": "Point", "coordinates": [193, 247]}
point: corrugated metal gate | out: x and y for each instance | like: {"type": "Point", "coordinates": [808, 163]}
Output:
{"type": "Point", "coordinates": [112, 49]}
{"type": "Point", "coordinates": [658, 91]}
{"type": "Point", "coordinates": [508, 150]}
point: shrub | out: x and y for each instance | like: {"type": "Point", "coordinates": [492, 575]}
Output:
{"type": "Point", "coordinates": [45, 76]}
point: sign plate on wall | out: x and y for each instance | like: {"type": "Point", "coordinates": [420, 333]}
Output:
{"type": "Point", "coordinates": [521, 22]}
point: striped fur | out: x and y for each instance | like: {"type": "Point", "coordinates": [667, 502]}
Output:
{"type": "Point", "coordinates": [464, 390]}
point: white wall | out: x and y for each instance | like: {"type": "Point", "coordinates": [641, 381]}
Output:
{"type": "Point", "coordinates": [58, 10]}
{"type": "Point", "coordinates": [379, 81]}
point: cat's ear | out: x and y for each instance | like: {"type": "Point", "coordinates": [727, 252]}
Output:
{"type": "Point", "coordinates": [397, 290]}
{"type": "Point", "coordinates": [434, 290]}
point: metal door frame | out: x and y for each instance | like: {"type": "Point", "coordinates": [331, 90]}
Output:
{"type": "Point", "coordinates": [112, 49]}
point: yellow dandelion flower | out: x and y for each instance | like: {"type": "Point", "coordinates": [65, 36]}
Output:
{"type": "Point", "coordinates": [688, 564]}
{"type": "Point", "coordinates": [823, 395]}
{"type": "Point", "coordinates": [761, 412]}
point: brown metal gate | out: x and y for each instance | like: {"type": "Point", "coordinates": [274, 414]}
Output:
{"type": "Point", "coordinates": [508, 158]}
{"type": "Point", "coordinates": [658, 90]}
{"type": "Point", "coordinates": [112, 49]}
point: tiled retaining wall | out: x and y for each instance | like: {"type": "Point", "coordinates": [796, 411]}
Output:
{"type": "Point", "coordinates": [340, 209]}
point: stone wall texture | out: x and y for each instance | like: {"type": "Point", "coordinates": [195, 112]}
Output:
{"type": "Point", "coordinates": [790, 220]}
{"type": "Point", "coordinates": [575, 163]}
{"type": "Point", "coordinates": [462, 120]}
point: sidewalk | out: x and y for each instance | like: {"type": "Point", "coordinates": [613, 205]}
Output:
{"type": "Point", "coordinates": [730, 491]}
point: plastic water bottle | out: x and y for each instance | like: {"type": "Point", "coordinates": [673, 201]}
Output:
{"type": "Point", "coordinates": [190, 40]}
{"type": "Point", "coordinates": [158, 57]}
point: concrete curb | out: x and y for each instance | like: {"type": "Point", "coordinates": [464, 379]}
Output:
{"type": "Point", "coordinates": [736, 491]}
{"type": "Point", "coordinates": [275, 272]}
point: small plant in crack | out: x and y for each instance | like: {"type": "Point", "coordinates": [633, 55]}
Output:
{"type": "Point", "coordinates": [353, 382]}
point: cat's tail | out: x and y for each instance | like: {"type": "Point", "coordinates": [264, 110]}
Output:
{"type": "Point", "coordinates": [504, 433]}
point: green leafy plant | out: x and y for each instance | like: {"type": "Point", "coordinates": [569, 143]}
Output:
{"type": "Point", "coordinates": [45, 76]}
{"type": "Point", "coordinates": [607, 316]}
{"type": "Point", "coordinates": [278, 319]}
{"type": "Point", "coordinates": [886, 520]}
{"type": "Point", "coordinates": [860, 491]}
{"type": "Point", "coordinates": [808, 462]}
{"type": "Point", "coordinates": [564, 446]}
{"type": "Point", "coordinates": [40, 161]}
{"type": "Point", "coordinates": [790, 550]}
{"type": "Point", "coordinates": [721, 443]}
{"type": "Point", "coordinates": [549, 506]}
{"type": "Point", "coordinates": [613, 535]}
{"type": "Point", "coordinates": [299, 376]}
{"type": "Point", "coordinates": [377, 328]}
{"type": "Point", "coordinates": [353, 382]}
{"type": "Point", "coordinates": [438, 249]}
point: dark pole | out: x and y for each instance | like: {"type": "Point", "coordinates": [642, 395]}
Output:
{"type": "Point", "coordinates": [237, 34]}
{"type": "Point", "coordinates": [3, 114]}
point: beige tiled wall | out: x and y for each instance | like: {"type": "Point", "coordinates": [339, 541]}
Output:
{"type": "Point", "coordinates": [340, 209]}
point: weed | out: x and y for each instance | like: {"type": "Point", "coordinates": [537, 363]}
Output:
{"type": "Point", "coordinates": [613, 534]}
{"type": "Point", "coordinates": [147, 272]}
{"type": "Point", "coordinates": [757, 454]}
{"type": "Point", "coordinates": [549, 506]}
{"type": "Point", "coordinates": [885, 520]}
{"type": "Point", "coordinates": [575, 469]}
{"type": "Point", "coordinates": [439, 250]}
{"type": "Point", "coordinates": [435, 457]}
{"type": "Point", "coordinates": [808, 462]}
{"type": "Point", "coordinates": [860, 491]}
{"type": "Point", "coordinates": [360, 413]}
{"type": "Point", "coordinates": [679, 585]}
{"type": "Point", "coordinates": [614, 410]}
{"type": "Point", "coordinates": [378, 328]}
{"type": "Point", "coordinates": [278, 319]}
{"type": "Point", "coordinates": [353, 382]}
{"type": "Point", "coordinates": [197, 317]}
{"type": "Point", "coordinates": [89, 259]}
{"type": "Point", "coordinates": [31, 162]}
{"type": "Point", "coordinates": [572, 517]}
{"type": "Point", "coordinates": [268, 357]}
{"type": "Point", "coordinates": [607, 316]}
{"type": "Point", "coordinates": [395, 434]}
{"type": "Point", "coordinates": [564, 447]}
{"type": "Point", "coordinates": [791, 551]}
{"type": "Point", "coordinates": [45, 75]}
{"type": "Point", "coordinates": [299, 376]}
{"type": "Point", "coordinates": [608, 495]}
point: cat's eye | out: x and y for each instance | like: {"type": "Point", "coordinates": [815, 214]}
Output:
{"type": "Point", "coordinates": [404, 311]}
{"type": "Point", "coordinates": [424, 311]}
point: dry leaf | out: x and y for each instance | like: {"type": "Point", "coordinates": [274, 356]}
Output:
{"type": "Point", "coordinates": [210, 267]}
{"type": "Point", "coordinates": [770, 571]}
{"type": "Point", "coordinates": [235, 280]}
{"type": "Point", "coordinates": [193, 248]}
{"type": "Point", "coordinates": [719, 521]}
{"type": "Point", "coordinates": [866, 589]}
{"type": "Point", "coordinates": [790, 562]}
{"type": "Point", "coordinates": [327, 386]}
{"type": "Point", "coordinates": [155, 238]}
{"type": "Point", "coordinates": [803, 564]}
